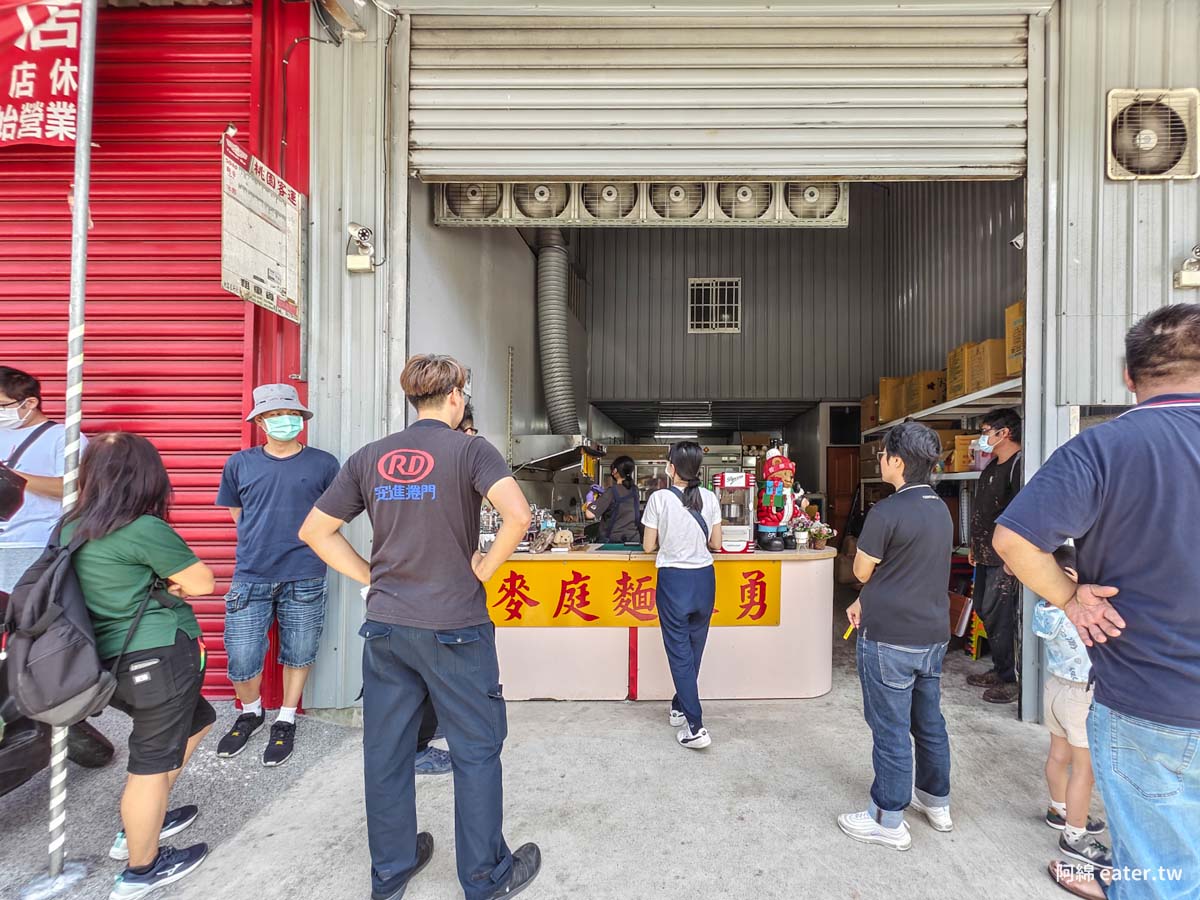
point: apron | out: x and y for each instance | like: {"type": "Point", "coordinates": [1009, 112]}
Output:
{"type": "Point", "coordinates": [606, 533]}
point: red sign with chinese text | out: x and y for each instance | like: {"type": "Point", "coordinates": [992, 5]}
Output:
{"type": "Point", "coordinates": [39, 72]}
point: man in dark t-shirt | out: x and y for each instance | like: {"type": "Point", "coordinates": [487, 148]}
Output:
{"type": "Point", "coordinates": [903, 616]}
{"type": "Point", "coordinates": [1127, 493]}
{"type": "Point", "coordinates": [997, 593]}
{"type": "Point", "coordinates": [427, 630]}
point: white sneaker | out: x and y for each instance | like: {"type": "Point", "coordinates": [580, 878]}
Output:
{"type": "Point", "coordinates": [862, 827]}
{"type": "Point", "coordinates": [697, 741]}
{"type": "Point", "coordinates": [938, 816]}
{"type": "Point", "coordinates": [677, 719]}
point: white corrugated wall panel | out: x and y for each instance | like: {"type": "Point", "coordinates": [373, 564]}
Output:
{"type": "Point", "coordinates": [890, 97]}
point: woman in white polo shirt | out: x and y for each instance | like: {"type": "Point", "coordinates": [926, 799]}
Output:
{"type": "Point", "coordinates": [683, 524]}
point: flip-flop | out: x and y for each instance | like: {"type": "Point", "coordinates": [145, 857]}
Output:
{"type": "Point", "coordinates": [1055, 870]}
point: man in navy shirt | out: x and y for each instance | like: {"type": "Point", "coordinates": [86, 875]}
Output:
{"type": "Point", "coordinates": [269, 490]}
{"type": "Point", "coordinates": [1128, 492]}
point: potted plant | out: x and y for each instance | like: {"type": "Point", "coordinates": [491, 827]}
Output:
{"type": "Point", "coordinates": [800, 526]}
{"type": "Point", "coordinates": [820, 534]}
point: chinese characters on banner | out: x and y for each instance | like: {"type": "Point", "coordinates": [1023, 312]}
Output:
{"type": "Point", "coordinates": [39, 72]}
{"type": "Point", "coordinates": [621, 594]}
{"type": "Point", "coordinates": [263, 238]}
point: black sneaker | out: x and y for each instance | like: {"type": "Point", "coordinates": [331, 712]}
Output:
{"type": "Point", "coordinates": [174, 822]}
{"type": "Point", "coordinates": [279, 747]}
{"type": "Point", "coordinates": [1058, 821]}
{"type": "Point", "coordinates": [170, 866]}
{"type": "Point", "coordinates": [246, 726]}
{"type": "Point", "coordinates": [1087, 850]}
{"type": "Point", "coordinates": [527, 862]}
{"type": "Point", "coordinates": [424, 855]}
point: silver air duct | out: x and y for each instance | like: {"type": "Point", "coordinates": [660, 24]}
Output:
{"type": "Point", "coordinates": [554, 331]}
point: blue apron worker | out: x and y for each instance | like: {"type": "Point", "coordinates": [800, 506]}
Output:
{"type": "Point", "coordinates": [618, 508]}
{"type": "Point", "coordinates": [427, 630]}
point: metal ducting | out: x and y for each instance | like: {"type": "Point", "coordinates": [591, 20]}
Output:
{"type": "Point", "coordinates": [553, 274]}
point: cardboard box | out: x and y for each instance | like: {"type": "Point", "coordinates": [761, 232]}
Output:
{"type": "Point", "coordinates": [961, 460]}
{"type": "Point", "coordinates": [987, 365]}
{"type": "Point", "coordinates": [868, 468]}
{"type": "Point", "coordinates": [1014, 339]}
{"type": "Point", "coordinates": [891, 399]}
{"type": "Point", "coordinates": [868, 412]}
{"type": "Point", "coordinates": [923, 390]}
{"type": "Point", "coordinates": [947, 436]}
{"type": "Point", "coordinates": [958, 362]}
{"type": "Point", "coordinates": [868, 449]}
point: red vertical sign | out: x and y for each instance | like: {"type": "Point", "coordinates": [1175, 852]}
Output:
{"type": "Point", "coordinates": [39, 71]}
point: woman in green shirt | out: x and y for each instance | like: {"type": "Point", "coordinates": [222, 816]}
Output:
{"type": "Point", "coordinates": [124, 493]}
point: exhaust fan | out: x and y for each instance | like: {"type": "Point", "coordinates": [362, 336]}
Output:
{"type": "Point", "coordinates": [474, 201]}
{"type": "Point", "coordinates": [1152, 134]}
{"type": "Point", "coordinates": [541, 201]}
{"type": "Point", "coordinates": [677, 201]}
{"type": "Point", "coordinates": [747, 200]}
{"type": "Point", "coordinates": [610, 201]}
{"type": "Point", "coordinates": [685, 204]}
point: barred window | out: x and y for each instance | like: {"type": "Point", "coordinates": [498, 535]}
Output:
{"type": "Point", "coordinates": [714, 305]}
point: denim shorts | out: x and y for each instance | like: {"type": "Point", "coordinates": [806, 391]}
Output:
{"type": "Point", "coordinates": [250, 607]}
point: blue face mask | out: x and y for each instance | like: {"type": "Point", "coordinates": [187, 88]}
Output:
{"type": "Point", "coordinates": [284, 428]}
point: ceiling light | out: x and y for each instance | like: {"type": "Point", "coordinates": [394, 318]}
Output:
{"type": "Point", "coordinates": [685, 424]}
{"type": "Point", "coordinates": [674, 435]}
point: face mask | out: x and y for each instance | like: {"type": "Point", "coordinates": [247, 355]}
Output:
{"type": "Point", "coordinates": [985, 444]}
{"type": "Point", "coordinates": [284, 428]}
{"type": "Point", "coordinates": [11, 418]}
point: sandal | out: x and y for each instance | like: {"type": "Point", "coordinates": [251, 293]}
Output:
{"type": "Point", "coordinates": [1077, 880]}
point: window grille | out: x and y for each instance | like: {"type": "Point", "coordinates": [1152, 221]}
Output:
{"type": "Point", "coordinates": [714, 305]}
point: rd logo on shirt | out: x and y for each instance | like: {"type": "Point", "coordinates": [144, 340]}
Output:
{"type": "Point", "coordinates": [405, 466]}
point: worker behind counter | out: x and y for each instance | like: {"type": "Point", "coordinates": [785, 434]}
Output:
{"type": "Point", "coordinates": [617, 508]}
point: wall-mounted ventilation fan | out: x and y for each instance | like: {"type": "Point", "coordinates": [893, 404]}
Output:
{"type": "Point", "coordinates": [812, 201]}
{"type": "Point", "coordinates": [541, 201]}
{"type": "Point", "coordinates": [610, 201]}
{"type": "Point", "coordinates": [744, 200]}
{"type": "Point", "coordinates": [681, 200]}
{"type": "Point", "coordinates": [1152, 134]}
{"type": "Point", "coordinates": [473, 201]}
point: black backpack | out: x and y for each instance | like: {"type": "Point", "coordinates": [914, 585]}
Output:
{"type": "Point", "coordinates": [51, 663]}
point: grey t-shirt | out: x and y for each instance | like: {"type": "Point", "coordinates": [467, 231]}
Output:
{"type": "Point", "coordinates": [422, 488]}
{"type": "Point", "coordinates": [907, 600]}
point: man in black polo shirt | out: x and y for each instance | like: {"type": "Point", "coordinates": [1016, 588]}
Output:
{"type": "Point", "coordinates": [427, 630]}
{"type": "Point", "coordinates": [996, 591]}
{"type": "Point", "coordinates": [1128, 492]}
{"type": "Point", "coordinates": [903, 616]}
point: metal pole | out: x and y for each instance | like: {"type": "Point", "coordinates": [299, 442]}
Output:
{"type": "Point", "coordinates": [59, 877]}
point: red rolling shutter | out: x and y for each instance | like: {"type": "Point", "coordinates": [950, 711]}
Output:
{"type": "Point", "coordinates": [166, 348]}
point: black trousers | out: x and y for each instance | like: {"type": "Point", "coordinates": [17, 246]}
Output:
{"type": "Point", "coordinates": [428, 726]}
{"type": "Point", "coordinates": [996, 595]}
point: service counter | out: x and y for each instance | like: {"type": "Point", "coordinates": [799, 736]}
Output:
{"type": "Point", "coordinates": [582, 626]}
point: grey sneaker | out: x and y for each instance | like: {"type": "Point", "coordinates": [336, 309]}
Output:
{"type": "Point", "coordinates": [1087, 850]}
{"type": "Point", "coordinates": [1058, 821]}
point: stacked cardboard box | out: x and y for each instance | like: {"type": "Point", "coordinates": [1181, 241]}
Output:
{"type": "Point", "coordinates": [961, 460]}
{"type": "Point", "coordinates": [868, 462]}
{"type": "Point", "coordinates": [891, 399]}
{"type": "Point", "coordinates": [869, 412]}
{"type": "Point", "coordinates": [958, 364]}
{"type": "Point", "coordinates": [1014, 338]}
{"type": "Point", "coordinates": [987, 366]}
{"type": "Point", "coordinates": [923, 390]}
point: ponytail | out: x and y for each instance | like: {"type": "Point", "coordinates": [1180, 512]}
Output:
{"type": "Point", "coordinates": [622, 468]}
{"type": "Point", "coordinates": [686, 457]}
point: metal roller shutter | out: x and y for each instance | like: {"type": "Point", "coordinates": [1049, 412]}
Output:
{"type": "Point", "coordinates": [902, 96]}
{"type": "Point", "coordinates": [165, 346]}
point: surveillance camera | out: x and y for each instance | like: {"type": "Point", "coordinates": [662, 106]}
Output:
{"type": "Point", "coordinates": [1019, 241]}
{"type": "Point", "coordinates": [360, 234]}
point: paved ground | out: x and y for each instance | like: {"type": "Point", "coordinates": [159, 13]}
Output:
{"type": "Point", "coordinates": [619, 809]}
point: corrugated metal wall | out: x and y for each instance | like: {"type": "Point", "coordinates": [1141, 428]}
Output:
{"type": "Point", "coordinates": [569, 97]}
{"type": "Point", "coordinates": [807, 332]}
{"type": "Point", "coordinates": [1120, 242]}
{"type": "Point", "coordinates": [952, 270]}
{"type": "Point", "coordinates": [166, 350]}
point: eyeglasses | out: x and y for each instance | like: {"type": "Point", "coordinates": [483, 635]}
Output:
{"type": "Point", "coordinates": [11, 403]}
{"type": "Point", "coordinates": [880, 454]}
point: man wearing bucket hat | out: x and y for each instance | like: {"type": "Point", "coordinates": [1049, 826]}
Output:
{"type": "Point", "coordinates": [269, 490]}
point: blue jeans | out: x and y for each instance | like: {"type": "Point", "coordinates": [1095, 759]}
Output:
{"type": "Point", "coordinates": [299, 606]}
{"type": "Point", "coordinates": [902, 694]}
{"type": "Point", "coordinates": [1149, 777]}
{"type": "Point", "coordinates": [685, 599]}
{"type": "Point", "coordinates": [458, 669]}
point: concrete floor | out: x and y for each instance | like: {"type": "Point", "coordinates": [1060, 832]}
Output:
{"type": "Point", "coordinates": [619, 809]}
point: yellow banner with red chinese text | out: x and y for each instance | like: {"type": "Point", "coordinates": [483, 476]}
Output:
{"type": "Point", "coordinates": [605, 594]}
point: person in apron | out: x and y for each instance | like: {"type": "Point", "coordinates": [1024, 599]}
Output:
{"type": "Point", "coordinates": [618, 508]}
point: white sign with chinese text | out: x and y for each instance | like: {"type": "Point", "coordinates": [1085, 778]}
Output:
{"type": "Point", "coordinates": [262, 234]}
{"type": "Point", "coordinates": [39, 72]}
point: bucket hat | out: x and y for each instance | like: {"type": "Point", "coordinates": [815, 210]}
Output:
{"type": "Point", "coordinates": [277, 396]}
